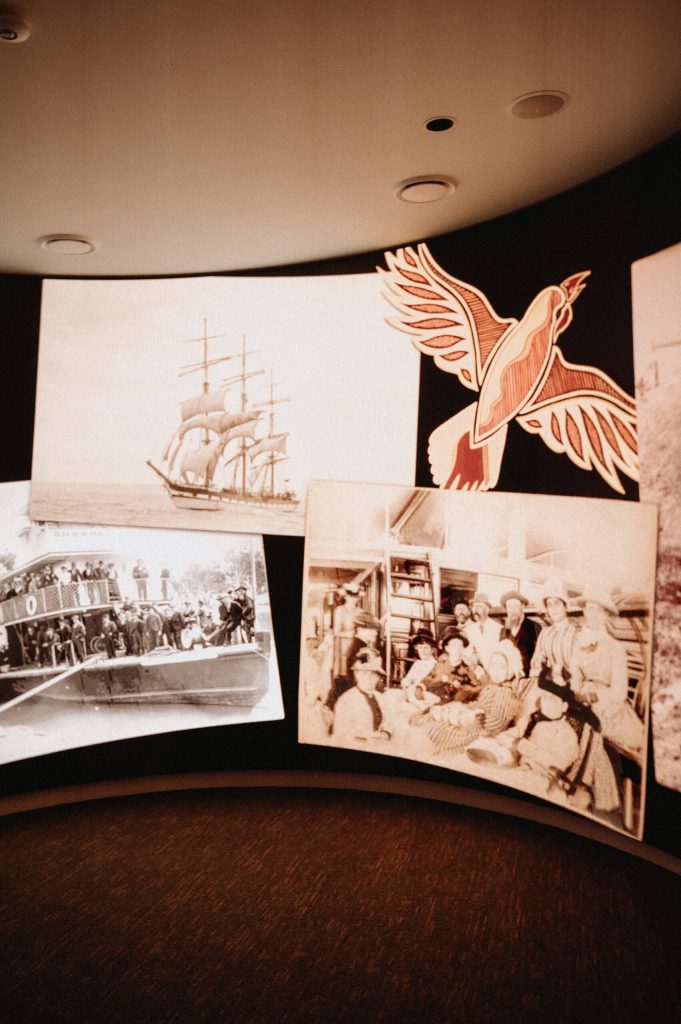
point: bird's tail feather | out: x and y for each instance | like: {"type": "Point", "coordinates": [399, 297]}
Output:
{"type": "Point", "coordinates": [456, 463]}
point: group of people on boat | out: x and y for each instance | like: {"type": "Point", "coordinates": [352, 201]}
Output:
{"type": "Point", "coordinates": [547, 694]}
{"type": "Point", "coordinates": [50, 575]}
{"type": "Point", "coordinates": [73, 579]}
{"type": "Point", "coordinates": [136, 628]}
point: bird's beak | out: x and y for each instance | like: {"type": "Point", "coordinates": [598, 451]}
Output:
{"type": "Point", "coordinates": [574, 286]}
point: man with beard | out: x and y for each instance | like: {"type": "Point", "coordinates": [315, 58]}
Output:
{"type": "Point", "coordinates": [520, 631]}
{"type": "Point", "coordinates": [483, 632]}
{"type": "Point", "coordinates": [462, 615]}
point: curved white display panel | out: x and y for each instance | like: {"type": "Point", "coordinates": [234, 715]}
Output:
{"type": "Point", "coordinates": [503, 635]}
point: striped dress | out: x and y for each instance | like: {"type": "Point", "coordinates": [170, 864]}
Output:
{"type": "Point", "coordinates": [555, 646]}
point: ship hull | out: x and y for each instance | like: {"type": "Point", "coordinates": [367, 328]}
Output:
{"type": "Point", "coordinates": [235, 676]}
{"type": "Point", "coordinates": [187, 496]}
{"type": "Point", "coordinates": [220, 501]}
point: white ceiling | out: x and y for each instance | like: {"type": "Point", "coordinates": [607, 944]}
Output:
{"type": "Point", "coordinates": [204, 135]}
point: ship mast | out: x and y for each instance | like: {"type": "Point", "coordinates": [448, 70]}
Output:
{"type": "Point", "coordinates": [203, 365]}
{"type": "Point", "coordinates": [272, 459]}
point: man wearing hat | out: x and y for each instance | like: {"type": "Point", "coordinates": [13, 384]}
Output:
{"type": "Point", "coordinates": [519, 630]}
{"type": "Point", "coordinates": [344, 626]}
{"type": "Point", "coordinates": [358, 714]}
{"type": "Point", "coordinates": [246, 612]}
{"type": "Point", "coordinates": [483, 632]}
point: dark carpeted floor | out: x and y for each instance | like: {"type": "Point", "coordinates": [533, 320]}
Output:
{"type": "Point", "coordinates": [301, 906]}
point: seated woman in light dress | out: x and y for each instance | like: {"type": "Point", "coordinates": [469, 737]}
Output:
{"type": "Point", "coordinates": [599, 674]}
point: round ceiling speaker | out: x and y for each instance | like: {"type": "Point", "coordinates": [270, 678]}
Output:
{"type": "Point", "coordinates": [13, 29]}
{"type": "Point", "coordinates": [425, 189]}
{"type": "Point", "coordinates": [67, 245]}
{"type": "Point", "coordinates": [538, 104]}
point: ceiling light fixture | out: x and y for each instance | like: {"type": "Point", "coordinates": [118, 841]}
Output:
{"type": "Point", "coordinates": [12, 28]}
{"type": "Point", "coordinates": [425, 189]}
{"type": "Point", "coordinates": [67, 245]}
{"type": "Point", "coordinates": [439, 124]}
{"type": "Point", "coordinates": [538, 104]}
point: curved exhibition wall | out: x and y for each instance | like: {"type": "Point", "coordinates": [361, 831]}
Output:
{"type": "Point", "coordinates": [603, 227]}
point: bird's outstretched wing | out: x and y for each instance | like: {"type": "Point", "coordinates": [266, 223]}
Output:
{"type": "Point", "coordinates": [448, 319]}
{"type": "Point", "coordinates": [579, 410]}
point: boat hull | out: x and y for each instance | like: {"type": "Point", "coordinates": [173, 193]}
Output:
{"type": "Point", "coordinates": [235, 676]}
{"type": "Point", "coordinates": [188, 496]}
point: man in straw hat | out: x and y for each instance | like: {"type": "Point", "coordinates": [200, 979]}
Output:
{"type": "Point", "coordinates": [483, 632]}
{"type": "Point", "coordinates": [521, 631]}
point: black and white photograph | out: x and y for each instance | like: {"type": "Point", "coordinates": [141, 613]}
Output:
{"type": "Point", "coordinates": [209, 403]}
{"type": "Point", "coordinates": [657, 353]}
{"type": "Point", "coordinates": [502, 635]}
{"type": "Point", "coordinates": [109, 633]}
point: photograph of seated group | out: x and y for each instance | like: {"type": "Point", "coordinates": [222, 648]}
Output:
{"type": "Point", "coordinates": [503, 635]}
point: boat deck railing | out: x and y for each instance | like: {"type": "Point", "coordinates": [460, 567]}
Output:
{"type": "Point", "coordinates": [58, 599]}
{"type": "Point", "coordinates": [87, 595]}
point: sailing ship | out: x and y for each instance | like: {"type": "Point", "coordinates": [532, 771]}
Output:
{"type": "Point", "coordinates": [226, 450]}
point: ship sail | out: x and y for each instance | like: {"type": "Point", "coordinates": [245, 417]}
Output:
{"type": "Point", "coordinates": [246, 429]}
{"type": "Point", "coordinates": [276, 443]}
{"type": "Point", "coordinates": [201, 462]}
{"type": "Point", "coordinates": [218, 422]}
{"type": "Point", "coordinates": [218, 450]}
{"type": "Point", "coordinates": [256, 475]}
{"type": "Point", "coordinates": [211, 401]}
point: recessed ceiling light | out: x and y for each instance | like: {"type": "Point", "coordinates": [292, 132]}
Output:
{"type": "Point", "coordinates": [13, 29]}
{"type": "Point", "coordinates": [67, 245]}
{"type": "Point", "coordinates": [538, 104]}
{"type": "Point", "coordinates": [426, 189]}
{"type": "Point", "coordinates": [439, 124]}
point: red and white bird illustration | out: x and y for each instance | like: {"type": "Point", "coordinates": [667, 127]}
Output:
{"type": "Point", "coordinates": [518, 371]}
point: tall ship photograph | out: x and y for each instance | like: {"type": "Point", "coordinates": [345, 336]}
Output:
{"type": "Point", "coordinates": [210, 403]}
{"type": "Point", "coordinates": [108, 633]}
{"type": "Point", "coordinates": [226, 449]}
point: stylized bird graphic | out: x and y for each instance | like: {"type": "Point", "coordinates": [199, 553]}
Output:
{"type": "Point", "coordinates": [518, 371]}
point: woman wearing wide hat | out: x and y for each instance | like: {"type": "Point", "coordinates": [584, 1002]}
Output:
{"type": "Point", "coordinates": [451, 678]}
{"type": "Point", "coordinates": [556, 641]}
{"type": "Point", "coordinates": [599, 673]}
{"type": "Point", "coordinates": [422, 651]}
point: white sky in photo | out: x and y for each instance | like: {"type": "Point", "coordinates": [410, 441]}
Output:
{"type": "Point", "coordinates": [173, 549]}
{"type": "Point", "coordinates": [110, 351]}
